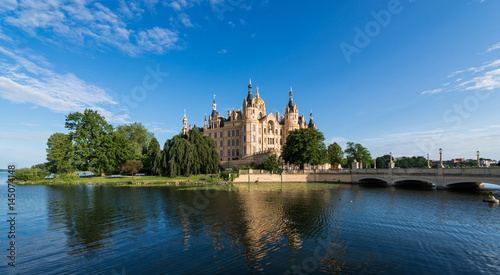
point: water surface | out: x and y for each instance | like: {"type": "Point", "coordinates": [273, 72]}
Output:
{"type": "Point", "coordinates": [260, 228]}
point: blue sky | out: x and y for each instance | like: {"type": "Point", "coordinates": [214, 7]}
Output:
{"type": "Point", "coordinates": [406, 77]}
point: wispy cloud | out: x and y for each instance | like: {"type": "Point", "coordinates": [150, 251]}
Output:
{"type": "Point", "coordinates": [432, 91]}
{"type": "Point", "coordinates": [492, 48]}
{"type": "Point", "coordinates": [484, 77]}
{"type": "Point", "coordinates": [27, 79]}
{"type": "Point", "coordinates": [222, 51]}
{"type": "Point", "coordinates": [184, 18]}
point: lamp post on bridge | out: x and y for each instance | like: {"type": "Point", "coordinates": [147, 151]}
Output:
{"type": "Point", "coordinates": [391, 162]}
{"type": "Point", "coordinates": [441, 158]}
{"type": "Point", "coordinates": [428, 162]}
{"type": "Point", "coordinates": [478, 161]}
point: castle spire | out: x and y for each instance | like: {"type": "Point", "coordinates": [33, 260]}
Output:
{"type": "Point", "coordinates": [290, 101]}
{"type": "Point", "coordinates": [214, 106]}
{"type": "Point", "coordinates": [257, 94]}
{"type": "Point", "coordinates": [311, 121]}
{"type": "Point", "coordinates": [184, 124]}
{"type": "Point", "coordinates": [250, 95]}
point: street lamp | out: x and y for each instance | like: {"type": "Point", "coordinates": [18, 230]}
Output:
{"type": "Point", "coordinates": [478, 162]}
{"type": "Point", "coordinates": [441, 158]}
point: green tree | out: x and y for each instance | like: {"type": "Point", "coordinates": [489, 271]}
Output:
{"type": "Point", "coordinates": [335, 155]}
{"type": "Point", "coordinates": [114, 150]}
{"type": "Point", "coordinates": [88, 130]}
{"type": "Point", "coordinates": [383, 161]}
{"type": "Point", "coordinates": [272, 164]}
{"type": "Point", "coordinates": [411, 162]}
{"type": "Point", "coordinates": [153, 146]}
{"type": "Point", "coordinates": [60, 154]}
{"type": "Point", "coordinates": [186, 155]}
{"type": "Point", "coordinates": [138, 135]}
{"type": "Point", "coordinates": [150, 154]}
{"type": "Point", "coordinates": [304, 146]}
{"type": "Point", "coordinates": [356, 151]}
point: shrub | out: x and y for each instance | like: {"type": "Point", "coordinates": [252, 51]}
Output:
{"type": "Point", "coordinates": [30, 174]}
{"type": "Point", "coordinates": [69, 176]}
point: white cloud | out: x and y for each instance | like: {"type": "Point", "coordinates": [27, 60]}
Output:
{"type": "Point", "coordinates": [336, 139]}
{"type": "Point", "coordinates": [184, 18]}
{"type": "Point", "coordinates": [157, 39]}
{"type": "Point", "coordinates": [86, 23]}
{"type": "Point", "coordinates": [26, 81]}
{"type": "Point", "coordinates": [222, 51]}
{"type": "Point", "coordinates": [493, 47]}
{"type": "Point", "coordinates": [484, 77]}
{"type": "Point", "coordinates": [432, 91]}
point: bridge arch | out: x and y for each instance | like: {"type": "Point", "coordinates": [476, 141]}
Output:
{"type": "Point", "coordinates": [414, 182]}
{"type": "Point", "coordinates": [373, 180]}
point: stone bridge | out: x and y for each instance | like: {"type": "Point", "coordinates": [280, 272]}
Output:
{"type": "Point", "coordinates": [438, 177]}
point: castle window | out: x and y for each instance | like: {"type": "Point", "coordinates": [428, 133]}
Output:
{"type": "Point", "coordinates": [215, 135]}
{"type": "Point", "coordinates": [260, 141]}
{"type": "Point", "coordinates": [220, 134]}
{"type": "Point", "coordinates": [244, 128]}
{"type": "Point", "coordinates": [245, 139]}
{"type": "Point", "coordinates": [221, 153]}
{"type": "Point", "coordinates": [237, 133]}
{"type": "Point", "coordinates": [221, 144]}
{"type": "Point", "coordinates": [233, 133]}
{"type": "Point", "coordinates": [233, 153]}
{"type": "Point", "coordinates": [253, 150]}
{"type": "Point", "coordinates": [260, 130]}
{"type": "Point", "coordinates": [244, 150]}
{"type": "Point", "coordinates": [237, 142]}
{"type": "Point", "coordinates": [228, 153]}
{"type": "Point", "coordinates": [228, 143]}
{"type": "Point", "coordinates": [210, 134]}
{"type": "Point", "coordinates": [237, 152]}
{"type": "Point", "coordinates": [233, 142]}
{"type": "Point", "coordinates": [253, 138]}
{"type": "Point", "coordinates": [264, 130]}
{"type": "Point", "coordinates": [228, 133]}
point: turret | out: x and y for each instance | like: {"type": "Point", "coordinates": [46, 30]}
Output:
{"type": "Point", "coordinates": [250, 95]}
{"type": "Point", "coordinates": [184, 124]}
{"type": "Point", "coordinates": [311, 122]}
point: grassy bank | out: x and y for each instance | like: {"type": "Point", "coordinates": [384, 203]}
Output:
{"type": "Point", "coordinates": [124, 180]}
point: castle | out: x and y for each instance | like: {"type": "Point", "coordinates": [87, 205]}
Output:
{"type": "Point", "coordinates": [251, 134]}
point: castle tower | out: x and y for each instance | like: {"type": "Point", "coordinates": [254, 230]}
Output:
{"type": "Point", "coordinates": [184, 124]}
{"type": "Point", "coordinates": [205, 125]}
{"type": "Point", "coordinates": [251, 125]}
{"type": "Point", "coordinates": [213, 119]}
{"type": "Point", "coordinates": [291, 116]}
{"type": "Point", "coordinates": [311, 122]}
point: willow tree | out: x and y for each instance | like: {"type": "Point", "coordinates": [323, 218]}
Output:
{"type": "Point", "coordinates": [186, 155]}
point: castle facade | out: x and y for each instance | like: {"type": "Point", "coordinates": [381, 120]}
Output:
{"type": "Point", "coordinates": [250, 134]}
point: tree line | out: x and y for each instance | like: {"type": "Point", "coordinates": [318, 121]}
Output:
{"type": "Point", "coordinates": [306, 146]}
{"type": "Point", "coordinates": [92, 144]}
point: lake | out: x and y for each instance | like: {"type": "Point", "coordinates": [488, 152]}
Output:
{"type": "Point", "coordinates": [250, 228]}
